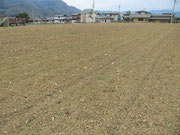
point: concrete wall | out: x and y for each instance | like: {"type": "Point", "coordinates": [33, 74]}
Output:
{"type": "Point", "coordinates": [88, 18]}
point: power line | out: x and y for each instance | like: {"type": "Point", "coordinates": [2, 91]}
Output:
{"type": "Point", "coordinates": [33, 15]}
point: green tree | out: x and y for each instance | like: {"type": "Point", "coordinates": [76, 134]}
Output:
{"type": "Point", "coordinates": [128, 12]}
{"type": "Point", "coordinates": [24, 15]}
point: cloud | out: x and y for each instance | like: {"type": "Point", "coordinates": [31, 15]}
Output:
{"type": "Point", "coordinates": [125, 4]}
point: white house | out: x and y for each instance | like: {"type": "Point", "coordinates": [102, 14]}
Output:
{"type": "Point", "coordinates": [106, 19]}
{"type": "Point", "coordinates": [114, 15]}
{"type": "Point", "coordinates": [103, 19]}
{"type": "Point", "coordinates": [61, 18]}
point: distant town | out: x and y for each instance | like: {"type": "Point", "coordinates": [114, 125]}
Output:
{"type": "Point", "coordinates": [92, 16]}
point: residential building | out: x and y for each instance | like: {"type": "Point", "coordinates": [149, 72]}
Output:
{"type": "Point", "coordinates": [17, 21]}
{"type": "Point", "coordinates": [103, 19]}
{"type": "Point", "coordinates": [176, 20]}
{"type": "Point", "coordinates": [161, 18]}
{"type": "Point", "coordinates": [47, 20]}
{"type": "Point", "coordinates": [76, 18]}
{"type": "Point", "coordinates": [88, 16]}
{"type": "Point", "coordinates": [144, 16]}
{"type": "Point", "coordinates": [114, 15]}
{"type": "Point", "coordinates": [60, 18]}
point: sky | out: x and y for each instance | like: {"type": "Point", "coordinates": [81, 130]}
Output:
{"type": "Point", "coordinates": [133, 5]}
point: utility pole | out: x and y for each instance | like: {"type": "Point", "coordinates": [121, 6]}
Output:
{"type": "Point", "coordinates": [33, 15]}
{"type": "Point", "coordinates": [172, 16]}
{"type": "Point", "coordinates": [93, 7]}
{"type": "Point", "coordinates": [119, 16]}
{"type": "Point", "coordinates": [119, 9]}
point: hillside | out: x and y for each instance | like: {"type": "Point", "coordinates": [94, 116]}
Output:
{"type": "Point", "coordinates": [39, 7]}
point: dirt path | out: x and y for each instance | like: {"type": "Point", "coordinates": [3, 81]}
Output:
{"type": "Point", "coordinates": [114, 79]}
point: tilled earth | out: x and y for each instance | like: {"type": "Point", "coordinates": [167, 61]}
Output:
{"type": "Point", "coordinates": [90, 79]}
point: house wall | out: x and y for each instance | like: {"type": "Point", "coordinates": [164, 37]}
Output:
{"type": "Point", "coordinates": [87, 18]}
{"type": "Point", "coordinates": [106, 21]}
{"type": "Point", "coordinates": [60, 21]}
{"type": "Point", "coordinates": [83, 18]}
{"type": "Point", "coordinates": [115, 16]}
{"type": "Point", "coordinates": [136, 20]}
{"type": "Point", "coordinates": [159, 21]}
{"type": "Point", "coordinates": [76, 16]}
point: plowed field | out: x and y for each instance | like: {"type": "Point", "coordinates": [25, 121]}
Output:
{"type": "Point", "coordinates": [90, 79]}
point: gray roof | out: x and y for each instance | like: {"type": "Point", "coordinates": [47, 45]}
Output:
{"type": "Point", "coordinates": [164, 15]}
{"type": "Point", "coordinates": [141, 12]}
{"type": "Point", "coordinates": [61, 15]}
{"type": "Point", "coordinates": [111, 13]}
{"type": "Point", "coordinates": [106, 17]}
{"type": "Point", "coordinates": [75, 13]}
{"type": "Point", "coordinates": [167, 13]}
{"type": "Point", "coordinates": [160, 18]}
{"type": "Point", "coordinates": [86, 11]}
{"type": "Point", "coordinates": [139, 16]}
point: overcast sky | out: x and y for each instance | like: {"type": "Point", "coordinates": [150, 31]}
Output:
{"type": "Point", "coordinates": [125, 4]}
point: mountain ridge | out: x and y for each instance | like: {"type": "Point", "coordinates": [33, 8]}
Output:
{"type": "Point", "coordinates": [40, 8]}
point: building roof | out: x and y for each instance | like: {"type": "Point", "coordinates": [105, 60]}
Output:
{"type": "Point", "coordinates": [159, 18]}
{"type": "Point", "coordinates": [105, 17]}
{"type": "Point", "coordinates": [145, 14]}
{"type": "Point", "coordinates": [76, 14]}
{"type": "Point", "coordinates": [167, 13]}
{"type": "Point", "coordinates": [35, 19]}
{"type": "Point", "coordinates": [87, 11]}
{"type": "Point", "coordinates": [139, 16]}
{"type": "Point", "coordinates": [47, 19]}
{"type": "Point", "coordinates": [160, 15]}
{"type": "Point", "coordinates": [61, 15]}
{"type": "Point", "coordinates": [113, 13]}
{"type": "Point", "coordinates": [142, 12]}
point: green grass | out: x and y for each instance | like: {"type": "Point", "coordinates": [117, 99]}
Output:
{"type": "Point", "coordinates": [49, 95]}
{"type": "Point", "coordinates": [101, 78]}
{"type": "Point", "coordinates": [21, 129]}
{"type": "Point", "coordinates": [28, 124]}
{"type": "Point", "coordinates": [40, 129]}
{"type": "Point", "coordinates": [59, 113]}
{"type": "Point", "coordinates": [4, 26]}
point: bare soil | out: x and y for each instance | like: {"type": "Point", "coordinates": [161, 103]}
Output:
{"type": "Point", "coordinates": [90, 79]}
